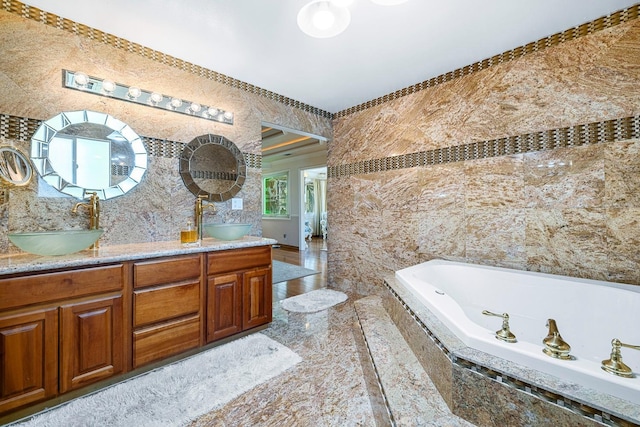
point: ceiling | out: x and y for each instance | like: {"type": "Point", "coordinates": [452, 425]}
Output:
{"type": "Point", "coordinates": [384, 49]}
{"type": "Point", "coordinates": [281, 144]}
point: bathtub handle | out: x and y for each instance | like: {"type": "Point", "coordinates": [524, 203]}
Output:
{"type": "Point", "coordinates": [505, 333]}
{"type": "Point", "coordinates": [614, 364]}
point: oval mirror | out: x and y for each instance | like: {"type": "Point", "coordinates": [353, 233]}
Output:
{"type": "Point", "coordinates": [212, 166]}
{"type": "Point", "coordinates": [14, 166]}
{"type": "Point", "coordinates": [85, 151]}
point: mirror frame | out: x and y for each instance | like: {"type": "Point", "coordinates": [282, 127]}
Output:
{"type": "Point", "coordinates": [47, 132]}
{"type": "Point", "coordinates": [189, 151]}
{"type": "Point", "coordinates": [23, 176]}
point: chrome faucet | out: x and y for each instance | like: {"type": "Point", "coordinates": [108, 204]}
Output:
{"type": "Point", "coordinates": [199, 213]}
{"type": "Point", "coordinates": [554, 345]}
{"type": "Point", "coordinates": [503, 334]}
{"type": "Point", "coordinates": [614, 364]}
{"type": "Point", "coordinates": [93, 206]}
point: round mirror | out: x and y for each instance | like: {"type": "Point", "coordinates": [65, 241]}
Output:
{"type": "Point", "coordinates": [14, 166]}
{"type": "Point", "coordinates": [212, 166]}
{"type": "Point", "coordinates": [84, 151]}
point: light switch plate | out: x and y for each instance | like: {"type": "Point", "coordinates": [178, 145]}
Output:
{"type": "Point", "coordinates": [236, 203]}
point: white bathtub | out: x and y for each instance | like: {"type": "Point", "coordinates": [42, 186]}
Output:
{"type": "Point", "coordinates": [589, 314]}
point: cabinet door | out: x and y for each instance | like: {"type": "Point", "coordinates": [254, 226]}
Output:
{"type": "Point", "coordinates": [91, 342]}
{"type": "Point", "coordinates": [256, 299]}
{"type": "Point", "coordinates": [224, 306]}
{"type": "Point", "coordinates": [28, 358]}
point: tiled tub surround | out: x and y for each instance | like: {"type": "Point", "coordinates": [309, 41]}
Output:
{"type": "Point", "coordinates": [588, 314]}
{"type": "Point", "coordinates": [487, 390]}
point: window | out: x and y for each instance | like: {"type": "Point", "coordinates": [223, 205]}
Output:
{"type": "Point", "coordinates": [275, 195]}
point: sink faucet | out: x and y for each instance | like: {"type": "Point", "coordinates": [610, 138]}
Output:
{"type": "Point", "coordinates": [93, 206]}
{"type": "Point", "coordinates": [199, 212]}
{"type": "Point", "coordinates": [554, 345]}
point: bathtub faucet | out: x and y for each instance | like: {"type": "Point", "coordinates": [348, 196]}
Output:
{"type": "Point", "coordinates": [554, 345]}
{"type": "Point", "coordinates": [614, 364]}
{"type": "Point", "coordinates": [503, 334]}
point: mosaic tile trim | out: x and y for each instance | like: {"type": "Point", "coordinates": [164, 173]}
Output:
{"type": "Point", "coordinates": [547, 395]}
{"type": "Point", "coordinates": [573, 136]}
{"type": "Point", "coordinates": [33, 13]}
{"type": "Point", "coordinates": [30, 12]}
{"type": "Point", "coordinates": [22, 128]}
{"type": "Point", "coordinates": [594, 26]}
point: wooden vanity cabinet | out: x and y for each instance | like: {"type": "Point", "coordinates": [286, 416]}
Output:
{"type": "Point", "coordinates": [238, 291]}
{"type": "Point", "coordinates": [167, 313]}
{"type": "Point", "coordinates": [59, 331]}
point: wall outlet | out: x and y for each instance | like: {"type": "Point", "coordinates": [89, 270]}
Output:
{"type": "Point", "coordinates": [236, 203]}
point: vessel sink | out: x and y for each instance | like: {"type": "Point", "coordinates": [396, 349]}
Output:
{"type": "Point", "coordinates": [226, 231]}
{"type": "Point", "coordinates": [60, 242]}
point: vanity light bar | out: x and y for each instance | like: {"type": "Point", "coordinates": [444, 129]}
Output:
{"type": "Point", "coordinates": [105, 87]}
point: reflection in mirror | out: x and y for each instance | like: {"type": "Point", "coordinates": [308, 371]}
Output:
{"type": "Point", "coordinates": [14, 166]}
{"type": "Point", "coordinates": [84, 151]}
{"type": "Point", "coordinates": [212, 166]}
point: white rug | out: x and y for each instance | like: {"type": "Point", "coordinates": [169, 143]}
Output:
{"type": "Point", "coordinates": [178, 393]}
{"type": "Point", "coordinates": [313, 301]}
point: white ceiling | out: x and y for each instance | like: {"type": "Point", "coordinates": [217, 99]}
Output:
{"type": "Point", "coordinates": [384, 49]}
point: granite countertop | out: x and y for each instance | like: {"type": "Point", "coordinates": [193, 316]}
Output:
{"type": "Point", "coordinates": [23, 262]}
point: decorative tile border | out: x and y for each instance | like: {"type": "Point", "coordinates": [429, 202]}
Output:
{"type": "Point", "coordinates": [573, 136]}
{"type": "Point", "coordinates": [33, 13]}
{"type": "Point", "coordinates": [22, 128]}
{"type": "Point", "coordinates": [583, 409]}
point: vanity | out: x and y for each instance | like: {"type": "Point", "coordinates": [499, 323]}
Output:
{"type": "Point", "coordinates": [75, 315]}
{"type": "Point", "coordinates": [77, 320]}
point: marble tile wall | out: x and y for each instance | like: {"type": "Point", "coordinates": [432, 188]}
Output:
{"type": "Point", "coordinates": [32, 56]}
{"type": "Point", "coordinates": [572, 210]}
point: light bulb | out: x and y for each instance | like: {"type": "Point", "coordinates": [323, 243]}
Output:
{"type": "Point", "coordinates": [176, 102]}
{"type": "Point", "coordinates": [134, 92]}
{"type": "Point", "coordinates": [156, 98]}
{"type": "Point", "coordinates": [323, 19]}
{"type": "Point", "coordinates": [195, 107]}
{"type": "Point", "coordinates": [108, 86]}
{"type": "Point", "coordinates": [81, 79]}
{"type": "Point", "coordinates": [212, 111]}
{"type": "Point", "coordinates": [228, 115]}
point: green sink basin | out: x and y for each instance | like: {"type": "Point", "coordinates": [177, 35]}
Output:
{"type": "Point", "coordinates": [227, 231]}
{"type": "Point", "coordinates": [61, 242]}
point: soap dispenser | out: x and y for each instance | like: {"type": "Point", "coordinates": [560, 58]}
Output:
{"type": "Point", "coordinates": [189, 235]}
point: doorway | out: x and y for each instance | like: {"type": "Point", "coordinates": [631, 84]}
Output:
{"type": "Point", "coordinates": [289, 154]}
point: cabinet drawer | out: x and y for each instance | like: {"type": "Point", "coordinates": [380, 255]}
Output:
{"type": "Point", "coordinates": [152, 305]}
{"type": "Point", "coordinates": [165, 270]}
{"type": "Point", "coordinates": [39, 288]}
{"type": "Point", "coordinates": [238, 259]}
{"type": "Point", "coordinates": [165, 340]}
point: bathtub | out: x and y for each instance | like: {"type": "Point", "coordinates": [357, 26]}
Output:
{"type": "Point", "coordinates": [588, 313]}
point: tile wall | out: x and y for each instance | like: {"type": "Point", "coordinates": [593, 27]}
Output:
{"type": "Point", "coordinates": [517, 165]}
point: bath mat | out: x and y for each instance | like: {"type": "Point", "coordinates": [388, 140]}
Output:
{"type": "Point", "coordinates": [283, 271]}
{"type": "Point", "coordinates": [176, 394]}
{"type": "Point", "coordinates": [313, 301]}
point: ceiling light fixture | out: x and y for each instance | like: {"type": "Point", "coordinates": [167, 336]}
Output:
{"type": "Point", "coordinates": [388, 2]}
{"type": "Point", "coordinates": [323, 18]}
